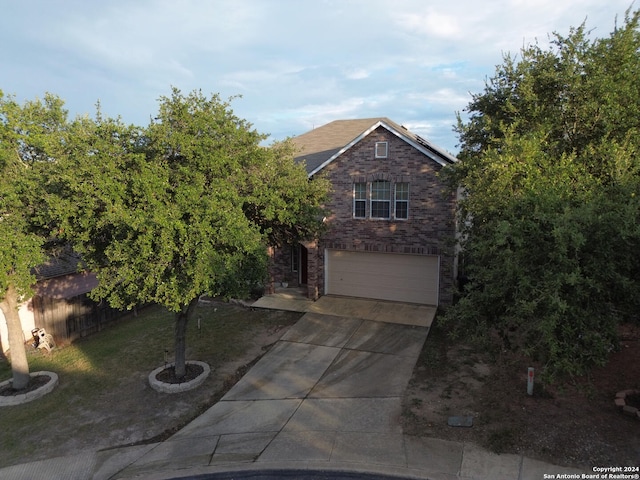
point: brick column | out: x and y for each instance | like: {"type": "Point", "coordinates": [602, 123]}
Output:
{"type": "Point", "coordinates": [269, 287]}
{"type": "Point", "coordinates": [312, 269]}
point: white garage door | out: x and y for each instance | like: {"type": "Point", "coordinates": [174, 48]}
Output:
{"type": "Point", "coordinates": [383, 276]}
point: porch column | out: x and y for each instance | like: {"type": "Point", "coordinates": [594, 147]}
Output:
{"type": "Point", "coordinates": [269, 287]}
{"type": "Point", "coordinates": [313, 276]}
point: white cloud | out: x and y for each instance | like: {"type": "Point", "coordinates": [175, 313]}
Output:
{"type": "Point", "coordinates": [442, 96]}
{"type": "Point", "coordinates": [296, 64]}
{"type": "Point", "coordinates": [430, 23]}
{"type": "Point", "coordinates": [357, 73]}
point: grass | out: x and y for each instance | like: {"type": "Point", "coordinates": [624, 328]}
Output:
{"type": "Point", "coordinates": [142, 341]}
{"type": "Point", "coordinates": [125, 352]}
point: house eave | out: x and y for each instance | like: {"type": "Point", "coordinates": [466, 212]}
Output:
{"type": "Point", "coordinates": [426, 148]}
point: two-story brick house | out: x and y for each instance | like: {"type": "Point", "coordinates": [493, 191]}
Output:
{"type": "Point", "coordinates": [391, 224]}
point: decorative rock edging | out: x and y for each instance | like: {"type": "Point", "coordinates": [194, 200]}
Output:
{"type": "Point", "coordinates": [164, 387]}
{"type": "Point", "coordinates": [621, 403]}
{"type": "Point", "coordinates": [6, 401]}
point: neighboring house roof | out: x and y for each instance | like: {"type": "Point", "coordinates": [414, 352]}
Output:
{"type": "Point", "coordinates": [63, 263]}
{"type": "Point", "coordinates": [63, 276]}
{"type": "Point", "coordinates": [321, 146]}
{"type": "Point", "coordinates": [68, 286]}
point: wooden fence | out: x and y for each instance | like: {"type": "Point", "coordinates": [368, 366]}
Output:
{"type": "Point", "coordinates": [72, 318]}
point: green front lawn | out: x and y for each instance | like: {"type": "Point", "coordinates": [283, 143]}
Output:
{"type": "Point", "coordinates": [107, 370]}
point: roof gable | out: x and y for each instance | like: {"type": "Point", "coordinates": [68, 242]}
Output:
{"type": "Point", "coordinates": [321, 146]}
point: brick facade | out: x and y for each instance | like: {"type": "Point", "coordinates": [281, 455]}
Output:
{"type": "Point", "coordinates": [428, 230]}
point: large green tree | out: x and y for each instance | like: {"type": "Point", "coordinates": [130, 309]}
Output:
{"type": "Point", "coordinates": [182, 208]}
{"type": "Point", "coordinates": [30, 134]}
{"type": "Point", "coordinates": [551, 214]}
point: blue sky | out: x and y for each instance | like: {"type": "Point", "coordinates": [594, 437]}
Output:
{"type": "Point", "coordinates": [297, 64]}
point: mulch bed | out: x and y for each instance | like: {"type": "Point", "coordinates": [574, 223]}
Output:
{"type": "Point", "coordinates": [168, 375]}
{"type": "Point", "coordinates": [35, 383]}
{"type": "Point", "coordinates": [633, 400]}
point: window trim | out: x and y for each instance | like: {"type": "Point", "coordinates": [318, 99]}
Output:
{"type": "Point", "coordinates": [364, 196]}
{"type": "Point", "coordinates": [396, 201]}
{"type": "Point", "coordinates": [356, 200]}
{"type": "Point", "coordinates": [378, 200]}
{"type": "Point", "coordinates": [382, 146]}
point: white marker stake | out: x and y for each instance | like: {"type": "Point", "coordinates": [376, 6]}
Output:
{"type": "Point", "coordinates": [530, 381]}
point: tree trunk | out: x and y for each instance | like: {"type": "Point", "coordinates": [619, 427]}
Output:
{"type": "Point", "coordinates": [182, 317]}
{"type": "Point", "coordinates": [19, 363]}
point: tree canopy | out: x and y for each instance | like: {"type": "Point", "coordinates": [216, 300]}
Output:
{"type": "Point", "coordinates": [551, 214]}
{"type": "Point", "coordinates": [182, 208]}
{"type": "Point", "coordinates": [30, 134]}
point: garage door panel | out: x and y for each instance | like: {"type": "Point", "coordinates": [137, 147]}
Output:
{"type": "Point", "coordinates": [384, 276]}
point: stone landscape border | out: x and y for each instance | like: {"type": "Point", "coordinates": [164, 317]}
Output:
{"type": "Point", "coordinates": [7, 401]}
{"type": "Point", "coordinates": [164, 387]}
{"type": "Point", "coordinates": [621, 403]}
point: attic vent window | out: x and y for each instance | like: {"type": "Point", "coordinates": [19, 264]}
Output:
{"type": "Point", "coordinates": [382, 149]}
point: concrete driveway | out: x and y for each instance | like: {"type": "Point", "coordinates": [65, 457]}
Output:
{"type": "Point", "coordinates": [368, 309]}
{"type": "Point", "coordinates": [324, 402]}
{"type": "Point", "coordinates": [329, 391]}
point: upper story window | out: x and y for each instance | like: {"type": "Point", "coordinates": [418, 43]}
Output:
{"type": "Point", "coordinates": [386, 200]}
{"type": "Point", "coordinates": [401, 201]}
{"type": "Point", "coordinates": [382, 149]}
{"type": "Point", "coordinates": [359, 200]}
{"type": "Point", "coordinates": [380, 199]}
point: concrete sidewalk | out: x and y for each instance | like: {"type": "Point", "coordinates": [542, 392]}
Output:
{"type": "Point", "coordinates": [326, 398]}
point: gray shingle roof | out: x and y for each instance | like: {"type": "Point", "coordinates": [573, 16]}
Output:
{"type": "Point", "coordinates": [320, 145]}
{"type": "Point", "coordinates": [63, 263]}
